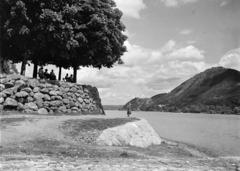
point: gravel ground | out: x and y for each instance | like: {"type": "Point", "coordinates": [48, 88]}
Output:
{"type": "Point", "coordinates": [34, 142]}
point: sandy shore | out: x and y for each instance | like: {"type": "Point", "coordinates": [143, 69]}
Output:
{"type": "Point", "coordinates": [35, 142]}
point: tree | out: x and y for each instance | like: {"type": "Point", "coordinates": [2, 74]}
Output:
{"type": "Point", "coordinates": [90, 32]}
{"type": "Point", "coordinates": [66, 33]}
{"type": "Point", "coordinates": [14, 40]}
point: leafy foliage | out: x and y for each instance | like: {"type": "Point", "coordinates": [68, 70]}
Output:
{"type": "Point", "coordinates": [67, 33]}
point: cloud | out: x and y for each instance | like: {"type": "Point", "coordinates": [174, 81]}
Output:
{"type": "Point", "coordinates": [185, 32]}
{"type": "Point", "coordinates": [189, 52]}
{"type": "Point", "coordinates": [131, 8]}
{"type": "Point", "coordinates": [175, 3]}
{"type": "Point", "coordinates": [231, 59]}
{"type": "Point", "coordinates": [223, 3]}
{"type": "Point", "coordinates": [145, 72]}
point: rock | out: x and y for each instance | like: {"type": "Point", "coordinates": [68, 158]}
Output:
{"type": "Point", "coordinates": [42, 111]}
{"type": "Point", "coordinates": [86, 101]}
{"type": "Point", "coordinates": [4, 80]}
{"type": "Point", "coordinates": [14, 77]}
{"type": "Point", "coordinates": [10, 103]}
{"type": "Point", "coordinates": [20, 107]}
{"type": "Point", "coordinates": [2, 87]}
{"type": "Point", "coordinates": [31, 94]}
{"type": "Point", "coordinates": [21, 99]}
{"type": "Point", "coordinates": [66, 89]}
{"type": "Point", "coordinates": [73, 89]}
{"type": "Point", "coordinates": [39, 103]}
{"type": "Point", "coordinates": [1, 108]}
{"type": "Point", "coordinates": [46, 104]}
{"type": "Point", "coordinates": [44, 91]}
{"type": "Point", "coordinates": [27, 89]}
{"type": "Point", "coordinates": [3, 95]}
{"type": "Point", "coordinates": [75, 110]}
{"type": "Point", "coordinates": [29, 111]}
{"type": "Point", "coordinates": [20, 83]}
{"type": "Point", "coordinates": [80, 100]}
{"type": "Point", "coordinates": [63, 109]}
{"type": "Point", "coordinates": [1, 100]}
{"type": "Point", "coordinates": [21, 94]}
{"type": "Point", "coordinates": [54, 93]}
{"type": "Point", "coordinates": [46, 97]}
{"type": "Point", "coordinates": [36, 89]}
{"type": "Point", "coordinates": [66, 101]}
{"type": "Point", "coordinates": [9, 85]}
{"type": "Point", "coordinates": [56, 98]}
{"type": "Point", "coordinates": [38, 96]}
{"type": "Point", "coordinates": [30, 99]}
{"type": "Point", "coordinates": [31, 106]}
{"type": "Point", "coordinates": [72, 104]}
{"type": "Point", "coordinates": [33, 83]}
{"type": "Point", "coordinates": [138, 133]}
{"type": "Point", "coordinates": [56, 103]}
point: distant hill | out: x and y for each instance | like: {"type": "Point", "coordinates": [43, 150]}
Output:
{"type": "Point", "coordinates": [112, 107]}
{"type": "Point", "coordinates": [216, 90]}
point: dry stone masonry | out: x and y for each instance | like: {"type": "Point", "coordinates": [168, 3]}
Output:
{"type": "Point", "coordinates": [46, 97]}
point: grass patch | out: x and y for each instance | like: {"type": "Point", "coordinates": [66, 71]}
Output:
{"type": "Point", "coordinates": [87, 131]}
{"type": "Point", "coordinates": [12, 121]}
{"type": "Point", "coordinates": [96, 124]}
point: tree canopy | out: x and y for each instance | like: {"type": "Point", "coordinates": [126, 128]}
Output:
{"type": "Point", "coordinates": [66, 33]}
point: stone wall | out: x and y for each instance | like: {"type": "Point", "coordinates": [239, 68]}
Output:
{"type": "Point", "coordinates": [47, 97]}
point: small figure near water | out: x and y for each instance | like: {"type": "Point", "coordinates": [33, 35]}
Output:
{"type": "Point", "coordinates": [129, 110]}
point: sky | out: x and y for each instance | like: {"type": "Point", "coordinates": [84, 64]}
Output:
{"type": "Point", "coordinates": [169, 41]}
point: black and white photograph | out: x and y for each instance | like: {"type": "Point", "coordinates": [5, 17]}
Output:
{"type": "Point", "coordinates": [119, 85]}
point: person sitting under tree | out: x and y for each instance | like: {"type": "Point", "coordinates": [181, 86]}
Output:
{"type": "Point", "coordinates": [52, 75]}
{"type": "Point", "coordinates": [41, 73]}
{"type": "Point", "coordinates": [71, 78]}
{"type": "Point", "coordinates": [66, 78]}
{"type": "Point", "coordinates": [46, 74]}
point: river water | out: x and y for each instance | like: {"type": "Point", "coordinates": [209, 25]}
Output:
{"type": "Point", "coordinates": [219, 134]}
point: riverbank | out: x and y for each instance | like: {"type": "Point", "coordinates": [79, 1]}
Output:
{"type": "Point", "coordinates": [69, 143]}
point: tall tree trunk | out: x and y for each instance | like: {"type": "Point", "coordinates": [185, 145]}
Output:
{"type": "Point", "coordinates": [23, 67]}
{"type": "Point", "coordinates": [60, 73]}
{"type": "Point", "coordinates": [35, 70]}
{"type": "Point", "coordinates": [74, 74]}
{"type": "Point", "coordinates": [4, 67]}
{"type": "Point", "coordinates": [1, 64]}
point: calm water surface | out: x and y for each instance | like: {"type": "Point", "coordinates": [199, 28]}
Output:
{"type": "Point", "coordinates": [218, 133]}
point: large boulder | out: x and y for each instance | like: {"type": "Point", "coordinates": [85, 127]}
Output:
{"type": "Point", "coordinates": [138, 133]}
{"type": "Point", "coordinates": [21, 94]}
{"type": "Point", "coordinates": [10, 104]}
{"type": "Point", "coordinates": [42, 111]}
{"type": "Point", "coordinates": [2, 87]}
{"type": "Point", "coordinates": [31, 106]}
{"type": "Point", "coordinates": [1, 100]}
{"type": "Point", "coordinates": [38, 96]}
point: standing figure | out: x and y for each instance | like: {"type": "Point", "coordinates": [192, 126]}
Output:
{"type": "Point", "coordinates": [129, 110]}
